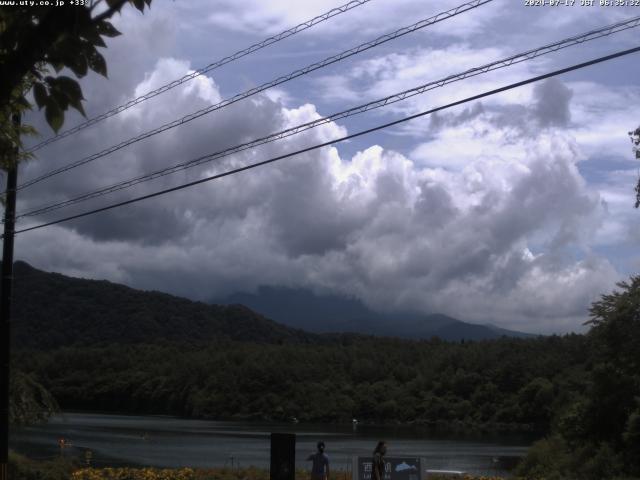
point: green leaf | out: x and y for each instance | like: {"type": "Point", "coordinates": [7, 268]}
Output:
{"type": "Point", "coordinates": [105, 28]}
{"type": "Point", "coordinates": [139, 4]}
{"type": "Point", "coordinates": [54, 115]}
{"type": "Point", "coordinates": [40, 94]}
{"type": "Point", "coordinates": [93, 37]}
{"type": "Point", "coordinates": [70, 87]}
{"type": "Point", "coordinates": [78, 64]}
{"type": "Point", "coordinates": [24, 103]}
{"type": "Point", "coordinates": [77, 104]}
{"type": "Point", "coordinates": [97, 63]}
{"type": "Point", "coordinates": [82, 20]}
{"type": "Point", "coordinates": [72, 91]}
{"type": "Point", "coordinates": [60, 98]}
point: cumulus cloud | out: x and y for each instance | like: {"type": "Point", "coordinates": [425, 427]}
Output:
{"type": "Point", "coordinates": [552, 103]}
{"type": "Point", "coordinates": [496, 238]}
{"type": "Point", "coordinates": [370, 19]}
{"type": "Point", "coordinates": [484, 212]}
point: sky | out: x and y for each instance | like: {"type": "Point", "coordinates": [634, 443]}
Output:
{"type": "Point", "coordinates": [515, 210]}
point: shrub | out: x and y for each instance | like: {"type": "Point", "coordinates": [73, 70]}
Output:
{"type": "Point", "coordinates": [21, 468]}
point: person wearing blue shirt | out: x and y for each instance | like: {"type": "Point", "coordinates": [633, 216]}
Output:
{"type": "Point", "coordinates": [320, 466]}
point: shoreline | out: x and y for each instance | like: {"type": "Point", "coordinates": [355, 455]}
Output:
{"type": "Point", "coordinates": [443, 428]}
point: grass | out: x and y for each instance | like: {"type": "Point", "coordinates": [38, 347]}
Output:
{"type": "Point", "coordinates": [22, 468]}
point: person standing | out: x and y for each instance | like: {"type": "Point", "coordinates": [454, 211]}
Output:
{"type": "Point", "coordinates": [378, 460]}
{"type": "Point", "coordinates": [320, 466]}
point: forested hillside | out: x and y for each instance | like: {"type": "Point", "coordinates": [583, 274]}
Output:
{"type": "Point", "coordinates": [145, 352]}
{"type": "Point", "coordinates": [52, 310]}
{"type": "Point", "coordinates": [503, 384]}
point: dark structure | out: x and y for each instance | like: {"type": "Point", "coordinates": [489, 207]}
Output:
{"type": "Point", "coordinates": [283, 456]}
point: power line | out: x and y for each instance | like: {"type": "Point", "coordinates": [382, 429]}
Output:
{"type": "Point", "coordinates": [514, 59]}
{"type": "Point", "coordinates": [342, 139]}
{"type": "Point", "coordinates": [278, 81]}
{"type": "Point", "coordinates": [201, 71]}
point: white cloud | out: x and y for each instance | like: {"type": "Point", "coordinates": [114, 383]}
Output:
{"type": "Point", "coordinates": [394, 231]}
{"type": "Point", "coordinates": [268, 18]}
{"type": "Point", "coordinates": [486, 216]}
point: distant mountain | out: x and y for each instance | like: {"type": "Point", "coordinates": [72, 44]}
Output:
{"type": "Point", "coordinates": [303, 309]}
{"type": "Point", "coordinates": [51, 310]}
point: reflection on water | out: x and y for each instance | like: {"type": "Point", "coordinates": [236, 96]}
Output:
{"type": "Point", "coordinates": [173, 442]}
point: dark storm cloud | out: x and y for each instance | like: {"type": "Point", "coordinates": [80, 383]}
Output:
{"type": "Point", "coordinates": [487, 224]}
{"type": "Point", "coordinates": [552, 99]}
{"type": "Point", "coordinates": [440, 120]}
{"type": "Point", "coordinates": [146, 224]}
{"type": "Point", "coordinates": [157, 220]}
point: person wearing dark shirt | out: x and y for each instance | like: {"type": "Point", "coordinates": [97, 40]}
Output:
{"type": "Point", "coordinates": [320, 466]}
{"type": "Point", "coordinates": [378, 461]}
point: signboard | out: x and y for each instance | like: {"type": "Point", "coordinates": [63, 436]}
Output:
{"type": "Point", "coordinates": [395, 468]}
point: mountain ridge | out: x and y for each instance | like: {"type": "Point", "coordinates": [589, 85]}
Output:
{"type": "Point", "coordinates": [300, 308]}
{"type": "Point", "coordinates": [51, 310]}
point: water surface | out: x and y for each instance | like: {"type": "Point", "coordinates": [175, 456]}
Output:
{"type": "Point", "coordinates": [175, 442]}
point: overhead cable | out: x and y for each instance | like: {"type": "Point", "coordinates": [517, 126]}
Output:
{"type": "Point", "coordinates": [201, 71]}
{"type": "Point", "coordinates": [337, 140]}
{"type": "Point", "coordinates": [278, 81]}
{"type": "Point", "coordinates": [505, 62]}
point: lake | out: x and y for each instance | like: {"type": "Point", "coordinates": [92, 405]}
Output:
{"type": "Point", "coordinates": [160, 441]}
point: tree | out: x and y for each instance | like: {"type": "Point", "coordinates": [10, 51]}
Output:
{"type": "Point", "coordinates": [635, 140]}
{"type": "Point", "coordinates": [615, 326]}
{"type": "Point", "coordinates": [29, 402]}
{"type": "Point", "coordinates": [36, 44]}
{"type": "Point", "coordinates": [615, 336]}
{"type": "Point", "coordinates": [597, 436]}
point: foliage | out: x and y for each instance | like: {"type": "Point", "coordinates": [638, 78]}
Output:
{"type": "Point", "coordinates": [37, 43]}
{"type": "Point", "coordinates": [251, 473]}
{"type": "Point", "coordinates": [597, 433]}
{"type": "Point", "coordinates": [554, 459]}
{"type": "Point", "coordinates": [22, 468]}
{"type": "Point", "coordinates": [548, 458]}
{"type": "Point", "coordinates": [133, 474]}
{"type": "Point", "coordinates": [613, 402]}
{"type": "Point", "coordinates": [51, 310]}
{"type": "Point", "coordinates": [635, 140]}
{"type": "Point", "coordinates": [615, 321]}
{"type": "Point", "coordinates": [129, 473]}
{"type": "Point", "coordinates": [29, 401]}
{"type": "Point", "coordinates": [497, 384]}
{"type": "Point", "coordinates": [12, 131]}
{"type": "Point", "coordinates": [99, 346]}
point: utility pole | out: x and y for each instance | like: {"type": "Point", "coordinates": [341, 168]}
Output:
{"type": "Point", "coordinates": [5, 302]}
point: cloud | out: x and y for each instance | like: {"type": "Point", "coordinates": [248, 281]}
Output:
{"type": "Point", "coordinates": [496, 238]}
{"type": "Point", "coordinates": [486, 212]}
{"type": "Point", "coordinates": [390, 74]}
{"type": "Point", "coordinates": [255, 16]}
{"type": "Point", "coordinates": [552, 103]}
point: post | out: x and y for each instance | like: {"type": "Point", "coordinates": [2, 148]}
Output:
{"type": "Point", "coordinates": [5, 303]}
{"type": "Point", "coordinates": [283, 456]}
